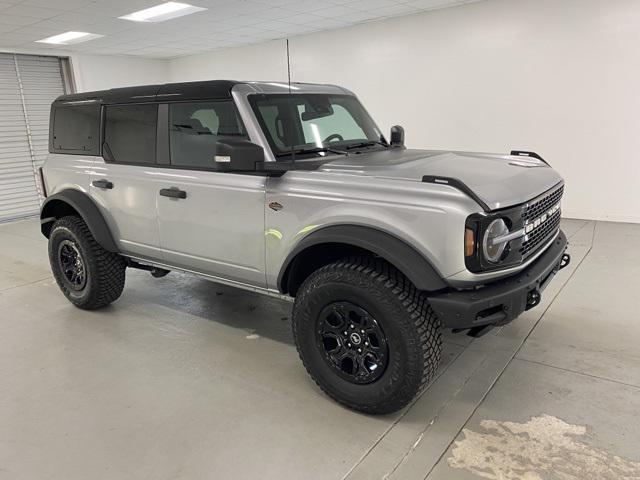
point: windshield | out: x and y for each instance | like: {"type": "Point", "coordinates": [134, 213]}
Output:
{"type": "Point", "coordinates": [314, 124]}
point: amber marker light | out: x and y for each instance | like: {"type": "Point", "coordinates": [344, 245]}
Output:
{"type": "Point", "coordinates": [469, 242]}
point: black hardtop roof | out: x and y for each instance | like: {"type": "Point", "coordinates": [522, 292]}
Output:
{"type": "Point", "coordinates": [208, 89]}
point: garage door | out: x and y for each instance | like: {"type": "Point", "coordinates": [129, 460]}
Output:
{"type": "Point", "coordinates": [28, 85]}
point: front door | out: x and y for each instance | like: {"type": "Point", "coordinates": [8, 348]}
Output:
{"type": "Point", "coordinates": [209, 221]}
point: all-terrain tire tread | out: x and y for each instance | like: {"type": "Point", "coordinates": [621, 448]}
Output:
{"type": "Point", "coordinates": [108, 284]}
{"type": "Point", "coordinates": [416, 308]}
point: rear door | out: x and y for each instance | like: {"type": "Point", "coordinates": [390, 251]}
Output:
{"type": "Point", "coordinates": [210, 222]}
{"type": "Point", "coordinates": [123, 182]}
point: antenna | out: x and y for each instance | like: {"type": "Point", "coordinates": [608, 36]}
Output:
{"type": "Point", "coordinates": [293, 155]}
{"type": "Point", "coordinates": [288, 68]}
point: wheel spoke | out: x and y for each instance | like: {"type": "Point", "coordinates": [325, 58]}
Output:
{"type": "Point", "coordinates": [361, 371]}
{"type": "Point", "coordinates": [340, 354]}
{"type": "Point", "coordinates": [332, 329]}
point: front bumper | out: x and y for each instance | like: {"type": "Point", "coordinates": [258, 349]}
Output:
{"type": "Point", "coordinates": [502, 301]}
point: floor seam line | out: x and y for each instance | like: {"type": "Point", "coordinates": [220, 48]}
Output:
{"type": "Point", "coordinates": [393, 425]}
{"type": "Point", "coordinates": [513, 356]}
{"type": "Point", "coordinates": [579, 230]}
{"type": "Point", "coordinates": [568, 370]}
{"type": "Point", "coordinates": [20, 235]}
{"type": "Point", "coordinates": [440, 410]}
{"type": "Point", "coordinates": [24, 284]}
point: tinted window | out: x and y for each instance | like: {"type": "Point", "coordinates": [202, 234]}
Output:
{"type": "Point", "coordinates": [130, 133]}
{"type": "Point", "coordinates": [76, 129]}
{"type": "Point", "coordinates": [194, 129]}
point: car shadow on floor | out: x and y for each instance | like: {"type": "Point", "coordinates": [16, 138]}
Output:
{"type": "Point", "coordinates": [255, 313]}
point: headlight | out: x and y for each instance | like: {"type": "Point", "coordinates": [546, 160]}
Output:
{"type": "Point", "coordinates": [493, 240]}
{"type": "Point", "coordinates": [493, 251]}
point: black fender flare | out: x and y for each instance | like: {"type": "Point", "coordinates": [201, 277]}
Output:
{"type": "Point", "coordinates": [86, 208]}
{"type": "Point", "coordinates": [394, 250]}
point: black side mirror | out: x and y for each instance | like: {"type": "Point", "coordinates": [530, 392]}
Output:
{"type": "Point", "coordinates": [397, 136]}
{"type": "Point", "coordinates": [238, 155]}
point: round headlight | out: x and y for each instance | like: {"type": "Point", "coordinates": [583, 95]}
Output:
{"type": "Point", "coordinates": [493, 251]}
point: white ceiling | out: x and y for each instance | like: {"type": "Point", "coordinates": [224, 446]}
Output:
{"type": "Point", "coordinates": [226, 23]}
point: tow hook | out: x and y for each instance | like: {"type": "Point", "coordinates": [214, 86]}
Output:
{"type": "Point", "coordinates": [565, 260]}
{"type": "Point", "coordinates": [533, 299]}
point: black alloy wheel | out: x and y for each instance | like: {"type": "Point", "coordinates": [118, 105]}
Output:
{"type": "Point", "coordinates": [352, 342]}
{"type": "Point", "coordinates": [71, 265]}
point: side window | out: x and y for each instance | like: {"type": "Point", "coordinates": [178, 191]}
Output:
{"type": "Point", "coordinates": [76, 129]}
{"type": "Point", "coordinates": [130, 133]}
{"type": "Point", "coordinates": [194, 129]}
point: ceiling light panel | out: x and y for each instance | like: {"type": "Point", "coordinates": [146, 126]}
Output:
{"type": "Point", "coordinates": [70, 38]}
{"type": "Point", "coordinates": [162, 12]}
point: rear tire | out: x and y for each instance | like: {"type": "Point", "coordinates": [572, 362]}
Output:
{"type": "Point", "coordinates": [369, 297]}
{"type": "Point", "coordinates": [88, 275]}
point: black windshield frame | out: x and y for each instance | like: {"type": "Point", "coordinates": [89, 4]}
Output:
{"type": "Point", "coordinates": [288, 109]}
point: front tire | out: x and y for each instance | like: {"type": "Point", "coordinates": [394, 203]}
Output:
{"type": "Point", "coordinates": [88, 275]}
{"type": "Point", "coordinates": [366, 336]}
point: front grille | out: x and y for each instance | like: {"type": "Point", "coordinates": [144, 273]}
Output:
{"type": "Point", "coordinates": [538, 207]}
{"type": "Point", "coordinates": [538, 237]}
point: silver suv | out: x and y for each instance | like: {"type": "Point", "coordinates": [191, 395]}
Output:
{"type": "Point", "coordinates": [294, 192]}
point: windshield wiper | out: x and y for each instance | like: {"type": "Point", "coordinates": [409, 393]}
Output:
{"type": "Point", "coordinates": [302, 151]}
{"type": "Point", "coordinates": [370, 143]}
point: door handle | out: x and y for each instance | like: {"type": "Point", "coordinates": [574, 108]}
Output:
{"type": "Point", "coordinates": [102, 184]}
{"type": "Point", "coordinates": [173, 192]}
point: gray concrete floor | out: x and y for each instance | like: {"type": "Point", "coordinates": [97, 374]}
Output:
{"type": "Point", "coordinates": [185, 379]}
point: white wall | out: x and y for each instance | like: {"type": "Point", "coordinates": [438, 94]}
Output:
{"type": "Point", "coordinates": [560, 77]}
{"type": "Point", "coordinates": [99, 72]}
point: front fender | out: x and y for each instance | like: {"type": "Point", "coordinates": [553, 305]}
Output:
{"type": "Point", "coordinates": [394, 250]}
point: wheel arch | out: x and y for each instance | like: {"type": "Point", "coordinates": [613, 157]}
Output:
{"type": "Point", "coordinates": [76, 202]}
{"type": "Point", "coordinates": [331, 243]}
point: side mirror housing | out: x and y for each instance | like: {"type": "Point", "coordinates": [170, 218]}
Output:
{"type": "Point", "coordinates": [238, 155]}
{"type": "Point", "coordinates": [397, 136]}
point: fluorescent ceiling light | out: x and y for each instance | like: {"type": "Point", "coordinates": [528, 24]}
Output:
{"type": "Point", "coordinates": [69, 38]}
{"type": "Point", "coordinates": [160, 13]}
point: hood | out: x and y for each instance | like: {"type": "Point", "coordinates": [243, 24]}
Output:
{"type": "Point", "coordinates": [498, 180]}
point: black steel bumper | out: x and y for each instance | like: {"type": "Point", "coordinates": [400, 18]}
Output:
{"type": "Point", "coordinates": [502, 301]}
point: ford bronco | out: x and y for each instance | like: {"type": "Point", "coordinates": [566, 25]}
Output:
{"type": "Point", "coordinates": [291, 190]}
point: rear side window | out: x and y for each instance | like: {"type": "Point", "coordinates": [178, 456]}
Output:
{"type": "Point", "coordinates": [195, 127]}
{"type": "Point", "coordinates": [76, 129]}
{"type": "Point", "coordinates": [130, 133]}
